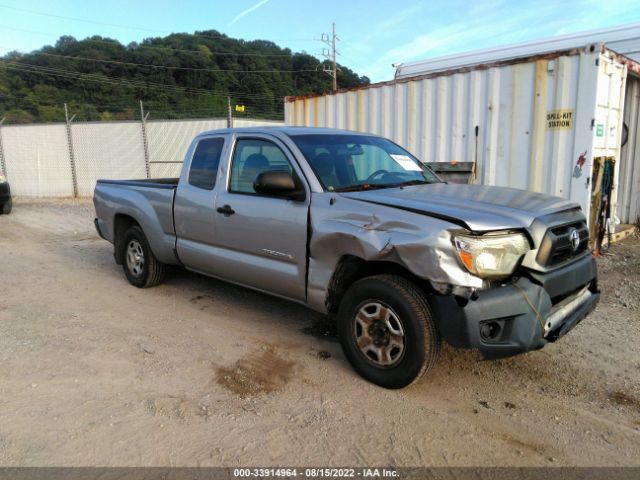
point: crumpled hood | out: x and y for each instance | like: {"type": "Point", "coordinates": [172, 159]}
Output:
{"type": "Point", "coordinates": [476, 207]}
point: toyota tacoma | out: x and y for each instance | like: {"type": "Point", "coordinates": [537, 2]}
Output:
{"type": "Point", "coordinates": [352, 224]}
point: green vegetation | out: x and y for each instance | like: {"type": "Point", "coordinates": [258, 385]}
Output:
{"type": "Point", "coordinates": [101, 79]}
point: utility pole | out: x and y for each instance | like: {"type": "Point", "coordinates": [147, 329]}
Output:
{"type": "Point", "coordinates": [72, 157]}
{"type": "Point", "coordinates": [229, 114]}
{"type": "Point", "coordinates": [145, 142]}
{"type": "Point", "coordinates": [330, 54]}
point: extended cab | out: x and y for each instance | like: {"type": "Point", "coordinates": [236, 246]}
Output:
{"type": "Point", "coordinates": [352, 224]}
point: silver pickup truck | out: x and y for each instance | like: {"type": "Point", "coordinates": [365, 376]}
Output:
{"type": "Point", "coordinates": [354, 225]}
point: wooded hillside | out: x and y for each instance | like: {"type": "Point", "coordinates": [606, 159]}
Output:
{"type": "Point", "coordinates": [177, 76]}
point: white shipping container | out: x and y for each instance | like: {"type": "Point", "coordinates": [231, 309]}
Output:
{"type": "Point", "coordinates": [629, 172]}
{"type": "Point", "coordinates": [540, 120]}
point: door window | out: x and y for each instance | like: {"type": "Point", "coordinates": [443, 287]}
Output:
{"type": "Point", "coordinates": [252, 157]}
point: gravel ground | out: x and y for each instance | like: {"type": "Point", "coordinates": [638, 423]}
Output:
{"type": "Point", "coordinates": [197, 372]}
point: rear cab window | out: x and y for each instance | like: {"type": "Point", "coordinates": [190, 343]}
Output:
{"type": "Point", "coordinates": [205, 162]}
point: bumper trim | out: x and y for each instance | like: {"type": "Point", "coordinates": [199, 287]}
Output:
{"type": "Point", "coordinates": [560, 312]}
{"type": "Point", "coordinates": [570, 320]}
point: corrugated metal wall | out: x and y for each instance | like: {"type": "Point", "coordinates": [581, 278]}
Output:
{"type": "Point", "coordinates": [629, 173]}
{"type": "Point", "coordinates": [38, 161]}
{"type": "Point", "coordinates": [436, 118]}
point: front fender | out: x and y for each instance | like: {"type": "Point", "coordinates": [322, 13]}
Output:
{"type": "Point", "coordinates": [343, 226]}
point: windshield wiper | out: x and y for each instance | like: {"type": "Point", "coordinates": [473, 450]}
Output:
{"type": "Point", "coordinates": [377, 186]}
{"type": "Point", "coordinates": [409, 183]}
{"type": "Point", "coordinates": [359, 187]}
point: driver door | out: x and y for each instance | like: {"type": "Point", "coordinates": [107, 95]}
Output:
{"type": "Point", "coordinates": [261, 240]}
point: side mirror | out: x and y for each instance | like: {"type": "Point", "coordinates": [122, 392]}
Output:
{"type": "Point", "coordinates": [278, 183]}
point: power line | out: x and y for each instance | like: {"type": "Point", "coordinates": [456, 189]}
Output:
{"type": "Point", "coordinates": [51, 15]}
{"type": "Point", "coordinates": [168, 67]}
{"type": "Point", "coordinates": [120, 81]}
{"type": "Point", "coordinates": [165, 111]}
{"type": "Point", "coordinates": [127, 27]}
{"type": "Point", "coordinates": [136, 83]}
{"type": "Point", "coordinates": [130, 108]}
{"type": "Point", "coordinates": [82, 76]}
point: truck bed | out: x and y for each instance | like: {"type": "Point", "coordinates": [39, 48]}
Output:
{"type": "Point", "coordinates": [149, 202]}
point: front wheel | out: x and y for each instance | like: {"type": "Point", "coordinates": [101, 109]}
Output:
{"type": "Point", "coordinates": [140, 266]}
{"type": "Point", "coordinates": [387, 331]}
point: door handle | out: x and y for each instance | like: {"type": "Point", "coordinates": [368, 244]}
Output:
{"type": "Point", "coordinates": [226, 210]}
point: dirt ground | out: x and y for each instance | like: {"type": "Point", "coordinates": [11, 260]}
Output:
{"type": "Point", "coordinates": [197, 372]}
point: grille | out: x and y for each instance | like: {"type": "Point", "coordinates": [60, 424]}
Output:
{"type": "Point", "coordinates": [556, 246]}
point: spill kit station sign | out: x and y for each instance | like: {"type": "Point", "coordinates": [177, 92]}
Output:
{"type": "Point", "coordinates": [559, 119]}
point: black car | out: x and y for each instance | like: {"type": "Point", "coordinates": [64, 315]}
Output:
{"type": "Point", "coordinates": [5, 196]}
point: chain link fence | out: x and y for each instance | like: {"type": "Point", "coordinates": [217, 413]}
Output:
{"type": "Point", "coordinates": [65, 160]}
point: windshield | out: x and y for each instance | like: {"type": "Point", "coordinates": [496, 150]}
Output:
{"type": "Point", "coordinates": [361, 162]}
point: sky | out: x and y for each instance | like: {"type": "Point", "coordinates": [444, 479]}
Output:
{"type": "Point", "coordinates": [373, 34]}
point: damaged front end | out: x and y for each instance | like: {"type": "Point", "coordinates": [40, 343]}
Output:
{"type": "Point", "coordinates": [510, 310]}
{"type": "Point", "coordinates": [524, 307]}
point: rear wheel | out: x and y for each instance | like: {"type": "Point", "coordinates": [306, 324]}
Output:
{"type": "Point", "coordinates": [140, 266]}
{"type": "Point", "coordinates": [7, 207]}
{"type": "Point", "coordinates": [387, 331]}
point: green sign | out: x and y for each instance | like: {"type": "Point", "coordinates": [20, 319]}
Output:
{"type": "Point", "coordinates": [600, 130]}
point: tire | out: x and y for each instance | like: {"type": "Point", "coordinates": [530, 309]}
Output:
{"type": "Point", "coordinates": [140, 266]}
{"type": "Point", "coordinates": [7, 207]}
{"type": "Point", "coordinates": [401, 340]}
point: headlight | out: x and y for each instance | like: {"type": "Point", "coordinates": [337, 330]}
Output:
{"type": "Point", "coordinates": [2, 178]}
{"type": "Point", "coordinates": [492, 255]}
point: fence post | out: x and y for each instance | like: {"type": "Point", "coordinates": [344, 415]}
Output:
{"type": "Point", "coordinates": [72, 158]}
{"type": "Point", "coordinates": [230, 114]}
{"type": "Point", "coordinates": [145, 142]}
{"type": "Point", "coordinates": [3, 165]}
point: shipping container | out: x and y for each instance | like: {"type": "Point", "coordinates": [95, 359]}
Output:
{"type": "Point", "coordinates": [537, 122]}
{"type": "Point", "coordinates": [629, 174]}
{"type": "Point", "coordinates": [622, 39]}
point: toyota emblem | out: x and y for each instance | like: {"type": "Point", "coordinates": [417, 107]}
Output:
{"type": "Point", "coordinates": [574, 238]}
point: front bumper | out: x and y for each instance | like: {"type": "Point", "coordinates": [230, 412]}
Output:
{"type": "Point", "coordinates": [520, 316]}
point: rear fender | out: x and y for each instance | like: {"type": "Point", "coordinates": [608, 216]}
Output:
{"type": "Point", "coordinates": [151, 209]}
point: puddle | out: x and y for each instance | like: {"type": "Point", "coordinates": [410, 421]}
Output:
{"type": "Point", "coordinates": [257, 373]}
